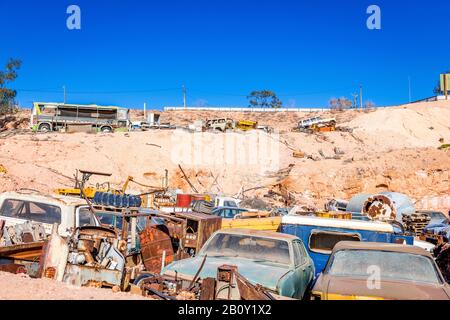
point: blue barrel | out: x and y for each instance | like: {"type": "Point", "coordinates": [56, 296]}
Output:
{"type": "Point", "coordinates": [97, 197]}
{"type": "Point", "coordinates": [111, 198]}
{"type": "Point", "coordinates": [104, 199]}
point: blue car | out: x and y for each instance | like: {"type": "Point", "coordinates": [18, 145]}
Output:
{"type": "Point", "coordinates": [278, 262]}
{"type": "Point", "coordinates": [320, 235]}
{"type": "Point", "coordinates": [227, 212]}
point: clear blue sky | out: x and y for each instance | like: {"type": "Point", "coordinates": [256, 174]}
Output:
{"type": "Point", "coordinates": [129, 52]}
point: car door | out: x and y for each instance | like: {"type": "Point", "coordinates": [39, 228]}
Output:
{"type": "Point", "coordinates": [302, 269]}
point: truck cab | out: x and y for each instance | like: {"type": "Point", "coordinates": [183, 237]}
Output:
{"type": "Point", "coordinates": [69, 212]}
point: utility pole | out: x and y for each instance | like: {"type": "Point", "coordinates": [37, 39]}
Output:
{"type": "Point", "coordinates": [409, 88]}
{"type": "Point", "coordinates": [65, 95]}
{"type": "Point", "coordinates": [361, 96]}
{"type": "Point", "coordinates": [145, 111]}
{"type": "Point", "coordinates": [184, 97]}
{"type": "Point", "coordinates": [355, 99]}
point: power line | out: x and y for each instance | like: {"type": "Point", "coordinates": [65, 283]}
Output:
{"type": "Point", "coordinates": [96, 92]}
{"type": "Point", "coordinates": [279, 95]}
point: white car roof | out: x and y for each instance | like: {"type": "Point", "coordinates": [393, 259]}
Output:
{"type": "Point", "coordinates": [50, 199]}
{"type": "Point", "coordinates": [338, 223]}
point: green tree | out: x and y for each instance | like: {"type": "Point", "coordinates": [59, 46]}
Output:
{"type": "Point", "coordinates": [7, 76]}
{"type": "Point", "coordinates": [264, 99]}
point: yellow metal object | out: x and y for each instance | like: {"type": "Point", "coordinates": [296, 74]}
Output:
{"type": "Point", "coordinates": [335, 296]}
{"type": "Point", "coordinates": [89, 192]}
{"type": "Point", "coordinates": [245, 125]}
{"type": "Point", "coordinates": [334, 215]}
{"type": "Point", "coordinates": [267, 224]}
{"type": "Point", "coordinates": [3, 169]}
{"type": "Point", "coordinates": [125, 185]}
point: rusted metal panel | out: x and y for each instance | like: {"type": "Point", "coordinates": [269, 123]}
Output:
{"type": "Point", "coordinates": [208, 289]}
{"type": "Point", "coordinates": [27, 252]}
{"type": "Point", "coordinates": [249, 291]}
{"type": "Point", "coordinates": [13, 268]}
{"type": "Point", "coordinates": [384, 206]}
{"type": "Point", "coordinates": [2, 224]}
{"type": "Point", "coordinates": [156, 245]}
{"type": "Point", "coordinates": [88, 276]}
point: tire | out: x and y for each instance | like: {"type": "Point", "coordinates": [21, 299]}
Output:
{"type": "Point", "coordinates": [44, 127]}
{"type": "Point", "coordinates": [142, 277]}
{"type": "Point", "coordinates": [106, 129]}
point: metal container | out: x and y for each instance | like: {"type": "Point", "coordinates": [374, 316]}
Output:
{"type": "Point", "coordinates": [184, 200]}
{"type": "Point", "coordinates": [382, 206]}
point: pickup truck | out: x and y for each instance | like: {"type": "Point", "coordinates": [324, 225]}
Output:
{"type": "Point", "coordinates": [69, 212]}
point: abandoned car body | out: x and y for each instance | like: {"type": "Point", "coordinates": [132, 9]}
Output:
{"type": "Point", "coordinates": [68, 212]}
{"type": "Point", "coordinates": [277, 262]}
{"type": "Point", "coordinates": [320, 235]}
{"type": "Point", "coordinates": [92, 256]}
{"type": "Point", "coordinates": [403, 272]}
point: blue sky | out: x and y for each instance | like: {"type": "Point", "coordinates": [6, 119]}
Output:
{"type": "Point", "coordinates": [131, 52]}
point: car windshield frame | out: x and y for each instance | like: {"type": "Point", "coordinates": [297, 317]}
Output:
{"type": "Point", "coordinates": [258, 256]}
{"type": "Point", "coordinates": [437, 273]}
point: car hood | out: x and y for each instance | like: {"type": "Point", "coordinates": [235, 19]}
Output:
{"type": "Point", "coordinates": [344, 287]}
{"type": "Point", "coordinates": [257, 273]}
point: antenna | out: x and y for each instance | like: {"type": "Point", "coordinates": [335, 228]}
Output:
{"type": "Point", "coordinates": [184, 96]}
{"type": "Point", "coordinates": [361, 96]}
{"type": "Point", "coordinates": [145, 111]}
{"type": "Point", "coordinates": [65, 95]}
{"type": "Point", "coordinates": [355, 99]}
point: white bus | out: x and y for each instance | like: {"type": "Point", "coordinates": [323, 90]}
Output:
{"type": "Point", "coordinates": [47, 116]}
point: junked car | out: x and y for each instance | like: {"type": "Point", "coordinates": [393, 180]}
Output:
{"type": "Point", "coordinates": [277, 262]}
{"type": "Point", "coordinates": [380, 271]}
{"type": "Point", "coordinates": [436, 217]}
{"type": "Point", "coordinates": [320, 235]}
{"type": "Point", "coordinates": [69, 212]}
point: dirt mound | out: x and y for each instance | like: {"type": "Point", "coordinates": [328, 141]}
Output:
{"type": "Point", "coordinates": [20, 287]}
{"type": "Point", "coordinates": [17, 121]}
{"type": "Point", "coordinates": [390, 148]}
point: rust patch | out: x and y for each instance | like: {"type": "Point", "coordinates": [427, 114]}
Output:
{"type": "Point", "coordinates": [155, 244]}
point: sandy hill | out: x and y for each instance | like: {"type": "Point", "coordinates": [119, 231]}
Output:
{"type": "Point", "coordinates": [391, 148]}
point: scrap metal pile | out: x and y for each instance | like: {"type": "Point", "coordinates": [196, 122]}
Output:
{"type": "Point", "coordinates": [228, 285]}
{"type": "Point", "coordinates": [203, 247]}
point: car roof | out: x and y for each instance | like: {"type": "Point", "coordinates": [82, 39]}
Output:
{"type": "Point", "coordinates": [35, 196]}
{"type": "Point", "coordinates": [259, 233]}
{"type": "Point", "coordinates": [375, 246]}
{"type": "Point", "coordinates": [229, 207]}
{"type": "Point", "coordinates": [314, 221]}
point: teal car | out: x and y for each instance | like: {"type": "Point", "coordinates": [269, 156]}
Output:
{"type": "Point", "coordinates": [277, 262]}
